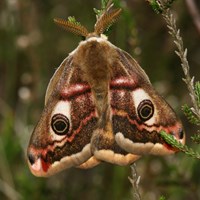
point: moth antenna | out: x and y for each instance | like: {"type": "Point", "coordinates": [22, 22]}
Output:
{"type": "Point", "coordinates": [75, 28]}
{"type": "Point", "coordinates": [108, 18]}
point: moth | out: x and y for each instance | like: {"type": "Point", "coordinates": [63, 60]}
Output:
{"type": "Point", "coordinates": [99, 106]}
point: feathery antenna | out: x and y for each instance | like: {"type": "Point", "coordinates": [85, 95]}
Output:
{"type": "Point", "coordinates": [105, 18]}
{"type": "Point", "coordinates": [72, 26]}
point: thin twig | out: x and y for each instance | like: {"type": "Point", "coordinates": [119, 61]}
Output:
{"type": "Point", "coordinates": [135, 180]}
{"type": "Point", "coordinates": [182, 53]}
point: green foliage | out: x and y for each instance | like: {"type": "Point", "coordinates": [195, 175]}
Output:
{"type": "Point", "coordinates": [160, 5]}
{"type": "Point", "coordinates": [196, 138]}
{"type": "Point", "coordinates": [190, 113]}
{"type": "Point", "coordinates": [174, 143]}
{"type": "Point", "coordinates": [72, 19]}
{"type": "Point", "coordinates": [162, 198]}
{"type": "Point", "coordinates": [104, 4]}
{"type": "Point", "coordinates": [192, 118]}
{"type": "Point", "coordinates": [155, 6]}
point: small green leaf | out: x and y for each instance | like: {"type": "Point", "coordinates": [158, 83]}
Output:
{"type": "Point", "coordinates": [104, 4]}
{"type": "Point", "coordinates": [99, 12]}
{"type": "Point", "coordinates": [174, 143]}
{"type": "Point", "coordinates": [72, 19]}
{"type": "Point", "coordinates": [156, 6]}
{"type": "Point", "coordinates": [190, 115]}
{"type": "Point", "coordinates": [159, 6]}
{"type": "Point", "coordinates": [162, 198]}
{"type": "Point", "coordinates": [196, 138]}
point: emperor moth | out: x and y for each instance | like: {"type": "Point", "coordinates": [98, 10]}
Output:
{"type": "Point", "coordinates": [99, 106]}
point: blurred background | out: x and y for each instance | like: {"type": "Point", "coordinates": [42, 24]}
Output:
{"type": "Point", "coordinates": [32, 47]}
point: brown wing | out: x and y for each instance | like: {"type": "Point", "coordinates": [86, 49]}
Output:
{"type": "Point", "coordinates": [138, 112]}
{"type": "Point", "coordinates": [62, 136]}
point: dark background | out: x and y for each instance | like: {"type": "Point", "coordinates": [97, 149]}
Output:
{"type": "Point", "coordinates": [32, 47]}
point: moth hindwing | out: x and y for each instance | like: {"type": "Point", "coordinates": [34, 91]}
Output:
{"type": "Point", "coordinates": [99, 106]}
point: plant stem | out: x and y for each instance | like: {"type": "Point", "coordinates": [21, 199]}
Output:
{"type": "Point", "coordinates": [182, 53]}
{"type": "Point", "coordinates": [135, 180]}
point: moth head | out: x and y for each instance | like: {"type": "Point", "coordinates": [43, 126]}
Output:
{"type": "Point", "coordinates": [105, 18]}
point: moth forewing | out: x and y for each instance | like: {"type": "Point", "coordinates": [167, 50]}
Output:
{"type": "Point", "coordinates": [61, 138]}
